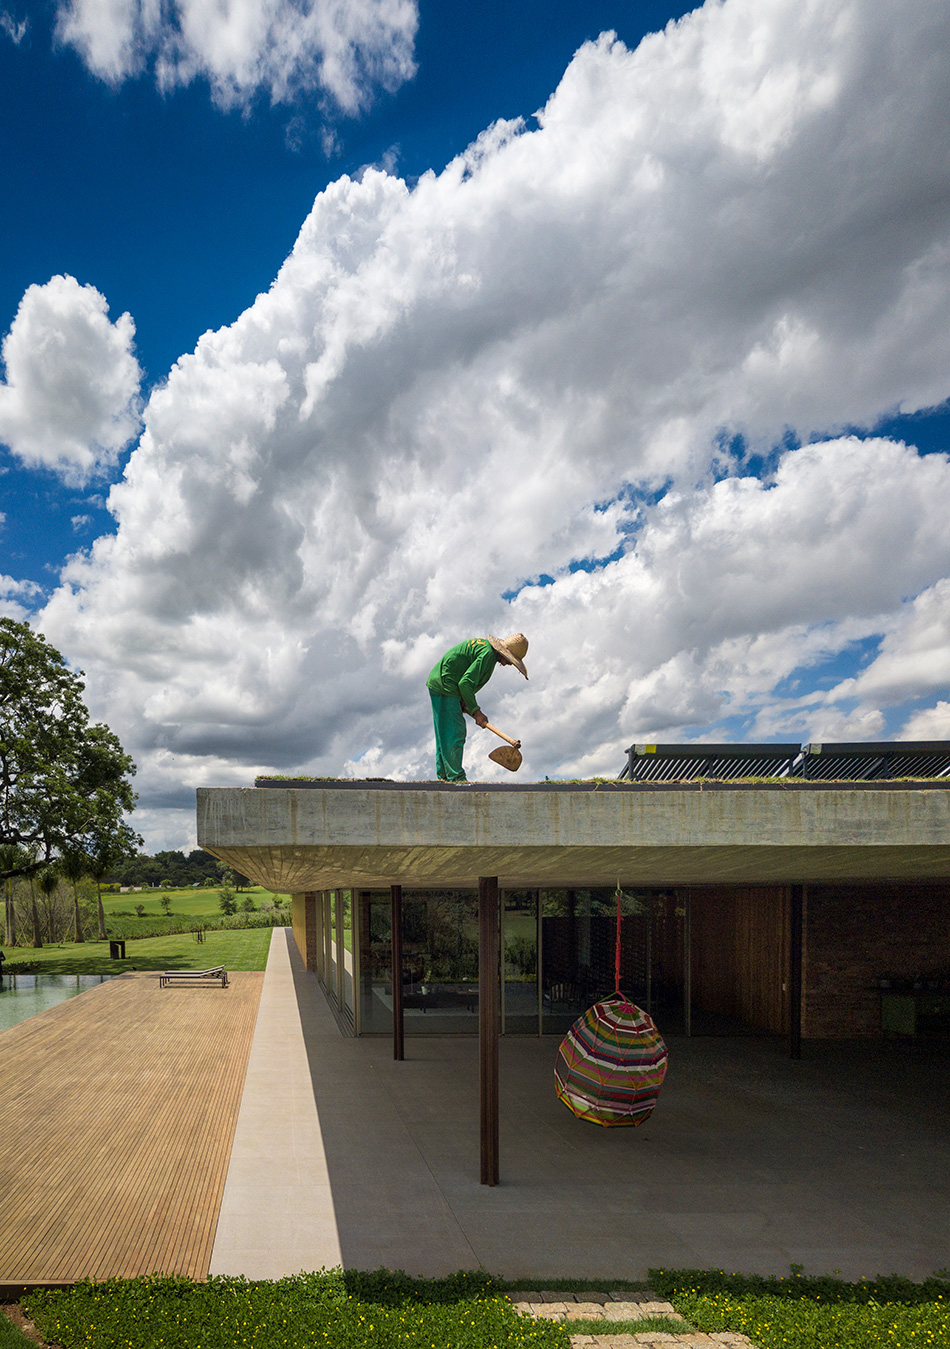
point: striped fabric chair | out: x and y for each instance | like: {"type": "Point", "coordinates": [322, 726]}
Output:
{"type": "Point", "coordinates": [611, 1064]}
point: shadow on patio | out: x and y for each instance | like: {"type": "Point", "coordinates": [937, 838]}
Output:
{"type": "Point", "coordinates": [838, 1162]}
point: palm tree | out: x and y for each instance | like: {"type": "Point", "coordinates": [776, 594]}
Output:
{"type": "Point", "coordinates": [97, 867]}
{"type": "Point", "coordinates": [34, 913]}
{"type": "Point", "coordinates": [75, 865]}
{"type": "Point", "coordinates": [9, 854]}
{"type": "Point", "coordinates": [48, 882]}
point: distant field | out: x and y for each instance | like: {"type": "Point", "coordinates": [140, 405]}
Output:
{"type": "Point", "coordinates": [243, 949]}
{"type": "Point", "coordinates": [197, 903]}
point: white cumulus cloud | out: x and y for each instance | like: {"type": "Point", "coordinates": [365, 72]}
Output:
{"type": "Point", "coordinates": [520, 379]}
{"type": "Point", "coordinates": [17, 598]}
{"type": "Point", "coordinates": [286, 48]}
{"type": "Point", "coordinates": [15, 29]}
{"type": "Point", "coordinates": [69, 402]}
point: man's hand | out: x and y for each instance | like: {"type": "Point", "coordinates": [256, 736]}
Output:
{"type": "Point", "coordinates": [480, 719]}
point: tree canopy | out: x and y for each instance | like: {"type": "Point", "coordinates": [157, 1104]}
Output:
{"type": "Point", "coordinates": [64, 782]}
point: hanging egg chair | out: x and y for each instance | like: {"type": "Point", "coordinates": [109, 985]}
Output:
{"type": "Point", "coordinates": [611, 1064]}
{"type": "Point", "coordinates": [612, 1061]}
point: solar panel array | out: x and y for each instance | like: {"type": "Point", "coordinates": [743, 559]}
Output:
{"type": "Point", "coordinates": [862, 761]}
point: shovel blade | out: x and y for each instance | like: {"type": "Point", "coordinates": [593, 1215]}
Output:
{"type": "Point", "coordinates": [507, 756]}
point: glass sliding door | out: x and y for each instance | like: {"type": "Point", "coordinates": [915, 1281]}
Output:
{"type": "Point", "coordinates": [440, 962]}
{"type": "Point", "coordinates": [347, 981]}
{"type": "Point", "coordinates": [558, 951]}
{"type": "Point", "coordinates": [333, 977]}
{"type": "Point", "coordinates": [375, 973]}
{"type": "Point", "coordinates": [520, 962]}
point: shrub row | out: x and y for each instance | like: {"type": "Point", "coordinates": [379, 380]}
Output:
{"type": "Point", "coordinates": [799, 1323]}
{"type": "Point", "coordinates": [125, 928]}
{"type": "Point", "coordinates": [820, 1288]}
{"type": "Point", "coordinates": [812, 1311]}
{"type": "Point", "coordinates": [345, 1311]}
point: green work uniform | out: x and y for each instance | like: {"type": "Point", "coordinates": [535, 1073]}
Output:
{"type": "Point", "coordinates": [453, 686]}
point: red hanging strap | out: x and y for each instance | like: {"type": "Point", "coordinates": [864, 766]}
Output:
{"type": "Point", "coordinates": [617, 945]}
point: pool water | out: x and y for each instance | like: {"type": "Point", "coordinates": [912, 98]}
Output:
{"type": "Point", "coordinates": [23, 995]}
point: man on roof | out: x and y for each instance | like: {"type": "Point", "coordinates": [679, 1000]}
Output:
{"type": "Point", "coordinates": [453, 686]}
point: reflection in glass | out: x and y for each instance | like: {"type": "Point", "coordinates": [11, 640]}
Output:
{"type": "Point", "coordinates": [345, 902]}
{"type": "Point", "coordinates": [332, 961]}
{"type": "Point", "coordinates": [558, 957]}
{"type": "Point", "coordinates": [578, 942]}
{"type": "Point", "coordinates": [439, 962]}
{"type": "Point", "coordinates": [520, 937]}
{"type": "Point", "coordinates": [376, 1005]}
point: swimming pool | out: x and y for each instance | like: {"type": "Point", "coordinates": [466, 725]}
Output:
{"type": "Point", "coordinates": [23, 995]}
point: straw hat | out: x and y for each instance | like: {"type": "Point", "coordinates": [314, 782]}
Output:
{"type": "Point", "coordinates": [513, 648]}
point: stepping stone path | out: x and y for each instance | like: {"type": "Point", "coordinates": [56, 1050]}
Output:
{"type": "Point", "coordinates": [608, 1307]}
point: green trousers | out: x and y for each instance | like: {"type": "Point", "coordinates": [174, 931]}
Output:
{"type": "Point", "coordinates": [449, 723]}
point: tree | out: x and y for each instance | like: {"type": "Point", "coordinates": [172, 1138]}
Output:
{"type": "Point", "coordinates": [34, 914]}
{"type": "Point", "coordinates": [9, 857]}
{"type": "Point", "coordinates": [101, 864]}
{"type": "Point", "coordinates": [48, 882]}
{"type": "Point", "coordinates": [64, 782]}
{"type": "Point", "coordinates": [74, 865]}
{"type": "Point", "coordinates": [226, 901]}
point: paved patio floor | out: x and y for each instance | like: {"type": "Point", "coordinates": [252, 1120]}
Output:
{"type": "Point", "coordinates": [839, 1162]}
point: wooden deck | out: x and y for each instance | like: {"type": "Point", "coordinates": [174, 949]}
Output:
{"type": "Point", "coordinates": [117, 1113]}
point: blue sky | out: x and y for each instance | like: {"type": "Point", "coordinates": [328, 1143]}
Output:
{"type": "Point", "coordinates": [180, 212]}
{"type": "Point", "coordinates": [635, 378]}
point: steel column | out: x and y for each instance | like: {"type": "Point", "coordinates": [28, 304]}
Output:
{"type": "Point", "coordinates": [395, 932]}
{"type": "Point", "coordinates": [488, 1025]}
{"type": "Point", "coordinates": [796, 916]}
{"type": "Point", "coordinates": [687, 963]}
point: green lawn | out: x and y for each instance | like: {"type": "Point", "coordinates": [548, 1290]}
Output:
{"type": "Point", "coordinates": [13, 1338]}
{"type": "Point", "coordinates": [195, 903]}
{"type": "Point", "coordinates": [238, 949]}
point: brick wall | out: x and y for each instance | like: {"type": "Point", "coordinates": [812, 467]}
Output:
{"type": "Point", "coordinates": [857, 934]}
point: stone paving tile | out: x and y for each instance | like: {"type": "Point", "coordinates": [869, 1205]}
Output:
{"type": "Point", "coordinates": [609, 1307]}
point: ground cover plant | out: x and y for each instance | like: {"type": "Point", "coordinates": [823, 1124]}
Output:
{"type": "Point", "coordinates": [237, 949]}
{"type": "Point", "coordinates": [380, 1310]}
{"type": "Point", "coordinates": [812, 1312]}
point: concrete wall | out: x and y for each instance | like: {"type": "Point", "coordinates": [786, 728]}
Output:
{"type": "Point", "coordinates": [305, 928]}
{"type": "Point", "coordinates": [299, 925]}
{"type": "Point", "coordinates": [857, 934]}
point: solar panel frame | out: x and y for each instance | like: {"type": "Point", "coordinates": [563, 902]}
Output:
{"type": "Point", "coordinates": [847, 761]}
{"type": "Point", "coordinates": [682, 763]}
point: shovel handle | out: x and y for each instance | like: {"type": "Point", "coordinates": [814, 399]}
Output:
{"type": "Point", "coordinates": [501, 734]}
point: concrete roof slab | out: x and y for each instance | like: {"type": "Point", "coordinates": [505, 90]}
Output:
{"type": "Point", "coordinates": [325, 837]}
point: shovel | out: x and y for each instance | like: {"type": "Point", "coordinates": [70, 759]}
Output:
{"type": "Point", "coordinates": [509, 756]}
